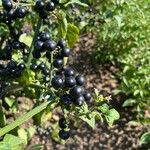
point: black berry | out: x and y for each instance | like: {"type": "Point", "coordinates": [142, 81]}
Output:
{"type": "Point", "coordinates": [50, 45]}
{"type": "Point", "coordinates": [36, 54]}
{"type": "Point", "coordinates": [80, 100]}
{"type": "Point", "coordinates": [50, 6]}
{"type": "Point", "coordinates": [87, 95]}
{"type": "Point", "coordinates": [80, 80]}
{"type": "Point", "coordinates": [64, 134]}
{"type": "Point", "coordinates": [66, 99]}
{"type": "Point", "coordinates": [20, 12]}
{"type": "Point", "coordinates": [57, 82]}
{"type": "Point", "coordinates": [62, 123]}
{"type": "Point", "coordinates": [58, 63]}
{"type": "Point", "coordinates": [76, 91]}
{"type": "Point", "coordinates": [66, 52]}
{"type": "Point", "coordinates": [69, 72]}
{"type": "Point", "coordinates": [62, 43]}
{"type": "Point", "coordinates": [7, 4]}
{"type": "Point", "coordinates": [70, 81]}
{"type": "Point", "coordinates": [39, 5]}
{"type": "Point", "coordinates": [44, 36]}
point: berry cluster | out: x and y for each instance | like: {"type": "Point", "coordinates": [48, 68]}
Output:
{"type": "Point", "coordinates": [63, 134]}
{"type": "Point", "coordinates": [11, 12]}
{"type": "Point", "coordinates": [12, 69]}
{"type": "Point", "coordinates": [42, 9]}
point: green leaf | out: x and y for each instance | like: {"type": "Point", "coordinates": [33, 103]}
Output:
{"type": "Point", "coordinates": [104, 108]}
{"type": "Point", "coordinates": [9, 101]}
{"type": "Point", "coordinates": [15, 142]}
{"type": "Point", "coordinates": [23, 135]}
{"type": "Point", "coordinates": [76, 2]}
{"type": "Point", "coordinates": [30, 132]}
{"type": "Point", "coordinates": [145, 138]}
{"type": "Point", "coordinates": [112, 116]}
{"type": "Point", "coordinates": [72, 35]}
{"type": "Point", "coordinates": [5, 146]}
{"type": "Point", "coordinates": [129, 102]}
{"type": "Point", "coordinates": [62, 24]}
{"type": "Point", "coordinates": [24, 38]}
{"type": "Point", "coordinates": [89, 119]}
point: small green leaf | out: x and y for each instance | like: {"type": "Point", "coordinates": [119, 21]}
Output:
{"type": "Point", "coordinates": [104, 108]}
{"type": "Point", "coordinates": [112, 116]}
{"type": "Point", "coordinates": [89, 119]}
{"type": "Point", "coordinates": [15, 142]}
{"type": "Point", "coordinates": [129, 102]}
{"type": "Point", "coordinates": [145, 138]}
{"type": "Point", "coordinates": [24, 38]}
{"type": "Point", "coordinates": [9, 101]}
{"type": "Point", "coordinates": [23, 135]}
{"type": "Point", "coordinates": [72, 35]}
{"type": "Point", "coordinates": [5, 146]}
{"type": "Point", "coordinates": [62, 24]}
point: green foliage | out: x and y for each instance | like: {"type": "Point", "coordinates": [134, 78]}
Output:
{"type": "Point", "coordinates": [123, 38]}
{"type": "Point", "coordinates": [145, 139]}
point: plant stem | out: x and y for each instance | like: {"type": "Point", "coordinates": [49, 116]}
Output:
{"type": "Point", "coordinates": [37, 30]}
{"type": "Point", "coordinates": [51, 67]}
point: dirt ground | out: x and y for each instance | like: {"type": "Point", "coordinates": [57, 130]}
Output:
{"type": "Point", "coordinates": [121, 136]}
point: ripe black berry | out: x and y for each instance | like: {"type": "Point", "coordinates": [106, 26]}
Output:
{"type": "Point", "coordinates": [39, 6]}
{"type": "Point", "coordinates": [62, 123]}
{"type": "Point", "coordinates": [57, 82]}
{"type": "Point", "coordinates": [62, 43]}
{"type": "Point", "coordinates": [70, 81]}
{"type": "Point", "coordinates": [80, 100]}
{"type": "Point", "coordinates": [80, 80]}
{"type": "Point", "coordinates": [21, 66]}
{"type": "Point", "coordinates": [66, 99]}
{"type": "Point", "coordinates": [45, 71]}
{"type": "Point", "coordinates": [20, 12]}
{"type": "Point", "coordinates": [44, 36]}
{"type": "Point", "coordinates": [58, 63]}
{"type": "Point", "coordinates": [38, 46]}
{"type": "Point", "coordinates": [69, 72]}
{"type": "Point", "coordinates": [12, 65]}
{"type": "Point", "coordinates": [7, 4]}
{"type": "Point", "coordinates": [87, 95]}
{"type": "Point", "coordinates": [43, 14]}
{"type": "Point", "coordinates": [50, 6]}
{"type": "Point", "coordinates": [36, 54]}
{"type": "Point", "coordinates": [33, 67]}
{"type": "Point", "coordinates": [76, 91]}
{"type": "Point", "coordinates": [50, 45]}
{"type": "Point", "coordinates": [64, 134]}
{"type": "Point", "coordinates": [66, 52]}
{"type": "Point", "coordinates": [16, 45]}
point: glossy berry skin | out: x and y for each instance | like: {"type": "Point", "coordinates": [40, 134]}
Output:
{"type": "Point", "coordinates": [87, 95]}
{"type": "Point", "coordinates": [36, 54]}
{"type": "Point", "coordinates": [45, 71]}
{"type": "Point", "coordinates": [64, 134]}
{"type": "Point", "coordinates": [62, 43]}
{"type": "Point", "coordinates": [21, 66]}
{"type": "Point", "coordinates": [58, 63]}
{"type": "Point", "coordinates": [66, 52]}
{"type": "Point", "coordinates": [44, 36]}
{"type": "Point", "coordinates": [39, 46]}
{"type": "Point", "coordinates": [39, 5]}
{"type": "Point", "coordinates": [20, 12]}
{"type": "Point", "coordinates": [50, 45]}
{"type": "Point", "coordinates": [12, 65]}
{"type": "Point", "coordinates": [57, 82]}
{"type": "Point", "coordinates": [70, 81]}
{"type": "Point", "coordinates": [76, 91]}
{"type": "Point", "coordinates": [66, 99]}
{"type": "Point", "coordinates": [62, 123]}
{"type": "Point", "coordinates": [33, 67]}
{"type": "Point", "coordinates": [50, 6]}
{"type": "Point", "coordinates": [80, 80]}
{"type": "Point", "coordinates": [55, 1]}
{"type": "Point", "coordinates": [7, 4]}
{"type": "Point", "coordinates": [69, 72]}
{"type": "Point", "coordinates": [80, 100]}
{"type": "Point", "coordinates": [16, 45]}
{"type": "Point", "coordinates": [42, 66]}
